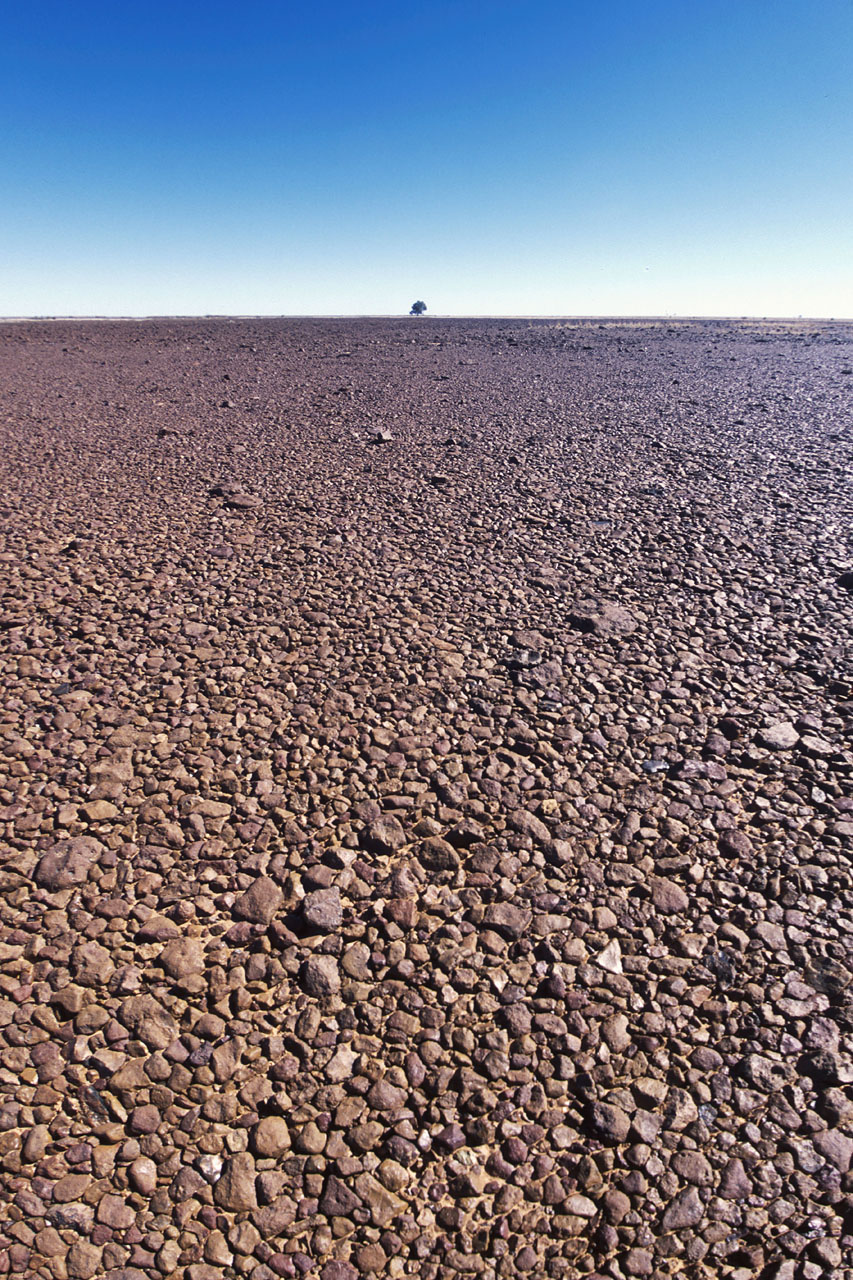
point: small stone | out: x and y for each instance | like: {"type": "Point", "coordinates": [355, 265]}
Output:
{"type": "Point", "coordinates": [437, 854]}
{"type": "Point", "coordinates": [610, 958]}
{"type": "Point", "coordinates": [260, 903]}
{"type": "Point", "coordinates": [506, 919]}
{"type": "Point", "coordinates": [271, 1137]}
{"type": "Point", "coordinates": [235, 1189]}
{"type": "Point", "coordinates": [337, 1200]}
{"type": "Point", "coordinates": [686, 1210]}
{"type": "Point", "coordinates": [609, 1122]}
{"type": "Point", "coordinates": [322, 910]}
{"type": "Point", "coordinates": [668, 897]}
{"type": "Point", "coordinates": [385, 835]}
{"type": "Point", "coordinates": [602, 618]}
{"type": "Point", "coordinates": [384, 1096]}
{"type": "Point", "coordinates": [614, 1032]}
{"type": "Point", "coordinates": [35, 1144]}
{"type": "Point", "coordinates": [320, 976]}
{"type": "Point", "coordinates": [780, 736]}
{"type": "Point", "coordinates": [113, 1212]}
{"type": "Point", "coordinates": [183, 959]}
{"type": "Point", "coordinates": [68, 863]}
{"type": "Point", "coordinates": [83, 1260]}
{"type": "Point", "coordinates": [142, 1174]}
{"type": "Point", "coordinates": [339, 1271]}
{"type": "Point", "coordinates": [149, 1021]}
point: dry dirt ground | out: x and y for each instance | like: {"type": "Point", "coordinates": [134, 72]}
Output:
{"type": "Point", "coordinates": [425, 799]}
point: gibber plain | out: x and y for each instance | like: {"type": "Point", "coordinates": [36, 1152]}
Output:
{"type": "Point", "coordinates": [425, 799]}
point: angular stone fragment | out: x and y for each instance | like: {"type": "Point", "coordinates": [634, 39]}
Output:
{"type": "Point", "coordinates": [320, 976]}
{"type": "Point", "coordinates": [506, 919]}
{"type": "Point", "coordinates": [686, 1210]}
{"type": "Point", "coordinates": [780, 736]}
{"type": "Point", "coordinates": [602, 618]}
{"type": "Point", "coordinates": [260, 902]}
{"type": "Point", "coordinates": [609, 1122]}
{"type": "Point", "coordinates": [528, 824]}
{"type": "Point", "coordinates": [235, 1189]}
{"type": "Point", "coordinates": [384, 1206]}
{"type": "Point", "coordinates": [183, 959]}
{"type": "Point", "coordinates": [667, 896]}
{"type": "Point", "coordinates": [337, 1200]}
{"type": "Point", "coordinates": [68, 863]}
{"type": "Point", "coordinates": [735, 1184]}
{"type": "Point", "coordinates": [148, 1021]}
{"type": "Point", "coordinates": [385, 835]}
{"type": "Point", "coordinates": [321, 910]}
{"type": "Point", "coordinates": [438, 855]}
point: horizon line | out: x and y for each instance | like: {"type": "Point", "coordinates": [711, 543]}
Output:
{"type": "Point", "coordinates": [401, 315]}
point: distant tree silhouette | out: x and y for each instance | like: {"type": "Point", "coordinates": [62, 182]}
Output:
{"type": "Point", "coordinates": [418, 308]}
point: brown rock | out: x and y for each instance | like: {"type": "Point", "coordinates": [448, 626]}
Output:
{"type": "Point", "coordinates": [235, 1189]}
{"type": "Point", "coordinates": [320, 976]}
{"type": "Point", "coordinates": [148, 1021]}
{"type": "Point", "coordinates": [506, 919]}
{"type": "Point", "coordinates": [260, 903]}
{"type": "Point", "coordinates": [321, 910]}
{"type": "Point", "coordinates": [68, 863]}
{"type": "Point", "coordinates": [668, 897]}
{"type": "Point", "coordinates": [271, 1137]}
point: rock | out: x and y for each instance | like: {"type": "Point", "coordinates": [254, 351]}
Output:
{"type": "Point", "coordinates": [83, 1260]}
{"type": "Point", "coordinates": [609, 1122]}
{"type": "Point", "coordinates": [686, 1210]}
{"type": "Point", "coordinates": [320, 976]}
{"type": "Point", "coordinates": [602, 618]}
{"type": "Point", "coordinates": [527, 824]}
{"type": "Point", "coordinates": [506, 919]}
{"type": "Point", "coordinates": [780, 736]}
{"type": "Point", "coordinates": [439, 855]}
{"type": "Point", "coordinates": [736, 843]}
{"type": "Point", "coordinates": [321, 910]}
{"type": "Point", "coordinates": [836, 1147]}
{"type": "Point", "coordinates": [235, 1190]}
{"type": "Point", "coordinates": [260, 903]}
{"type": "Point", "coordinates": [271, 1137]}
{"type": "Point", "coordinates": [183, 959]}
{"type": "Point", "coordinates": [341, 1064]}
{"type": "Point", "coordinates": [734, 1182]}
{"type": "Point", "coordinates": [235, 498]}
{"type": "Point", "coordinates": [337, 1200]}
{"type": "Point", "coordinates": [384, 1096]}
{"type": "Point", "coordinates": [610, 958]}
{"type": "Point", "coordinates": [113, 1212]}
{"type": "Point", "coordinates": [668, 897]}
{"type": "Point", "coordinates": [614, 1032]}
{"type": "Point", "coordinates": [381, 1203]}
{"type": "Point", "coordinates": [148, 1021]}
{"type": "Point", "coordinates": [339, 1271]}
{"type": "Point", "coordinates": [385, 835]}
{"type": "Point", "coordinates": [35, 1144]}
{"type": "Point", "coordinates": [142, 1174]}
{"type": "Point", "coordinates": [68, 863]}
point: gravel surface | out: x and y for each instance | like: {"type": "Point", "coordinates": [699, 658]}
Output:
{"type": "Point", "coordinates": [426, 803]}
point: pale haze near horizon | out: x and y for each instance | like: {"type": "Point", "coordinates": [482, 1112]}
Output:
{"type": "Point", "coordinates": [492, 159]}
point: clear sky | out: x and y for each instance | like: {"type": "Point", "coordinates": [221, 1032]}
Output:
{"type": "Point", "coordinates": [505, 157]}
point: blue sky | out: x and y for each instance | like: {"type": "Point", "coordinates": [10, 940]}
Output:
{"type": "Point", "coordinates": [576, 158]}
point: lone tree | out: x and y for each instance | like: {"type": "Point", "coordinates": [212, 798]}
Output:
{"type": "Point", "coordinates": [418, 308]}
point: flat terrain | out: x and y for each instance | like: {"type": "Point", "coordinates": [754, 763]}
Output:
{"type": "Point", "coordinates": [425, 799]}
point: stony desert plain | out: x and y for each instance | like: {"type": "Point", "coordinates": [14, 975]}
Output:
{"type": "Point", "coordinates": [425, 799]}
